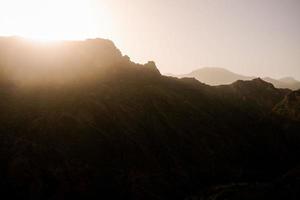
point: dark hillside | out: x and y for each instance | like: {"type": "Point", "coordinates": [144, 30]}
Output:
{"type": "Point", "coordinates": [120, 130]}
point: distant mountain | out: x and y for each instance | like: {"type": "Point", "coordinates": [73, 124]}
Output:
{"type": "Point", "coordinates": [216, 76]}
{"type": "Point", "coordinates": [220, 76]}
{"type": "Point", "coordinates": [287, 82]}
{"type": "Point", "coordinates": [79, 120]}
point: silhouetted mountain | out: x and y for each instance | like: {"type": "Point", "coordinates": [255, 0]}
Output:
{"type": "Point", "coordinates": [220, 76]}
{"type": "Point", "coordinates": [257, 92]}
{"type": "Point", "coordinates": [79, 120]}
{"type": "Point", "coordinates": [37, 63]}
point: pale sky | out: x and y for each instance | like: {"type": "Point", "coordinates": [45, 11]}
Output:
{"type": "Point", "coordinates": [251, 37]}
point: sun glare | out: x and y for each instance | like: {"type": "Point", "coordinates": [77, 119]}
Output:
{"type": "Point", "coordinates": [50, 20]}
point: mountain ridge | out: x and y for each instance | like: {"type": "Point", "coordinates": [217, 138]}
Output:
{"type": "Point", "coordinates": [222, 76]}
{"type": "Point", "coordinates": [132, 133]}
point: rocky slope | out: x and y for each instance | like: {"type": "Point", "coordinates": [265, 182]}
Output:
{"type": "Point", "coordinates": [290, 106]}
{"type": "Point", "coordinates": [114, 129]}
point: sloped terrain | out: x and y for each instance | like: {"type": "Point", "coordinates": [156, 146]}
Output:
{"type": "Point", "coordinates": [124, 131]}
{"type": "Point", "coordinates": [290, 106]}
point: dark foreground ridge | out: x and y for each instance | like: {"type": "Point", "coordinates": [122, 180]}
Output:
{"type": "Point", "coordinates": [79, 120]}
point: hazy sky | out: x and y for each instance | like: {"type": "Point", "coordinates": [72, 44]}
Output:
{"type": "Point", "coordinates": [252, 37]}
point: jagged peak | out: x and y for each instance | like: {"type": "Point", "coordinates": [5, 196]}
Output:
{"type": "Point", "coordinates": [259, 80]}
{"type": "Point", "coordinates": [152, 66]}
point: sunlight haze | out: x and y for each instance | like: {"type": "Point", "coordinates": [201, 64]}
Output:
{"type": "Point", "coordinates": [254, 38]}
{"type": "Point", "coordinates": [54, 19]}
{"type": "Point", "coordinates": [150, 99]}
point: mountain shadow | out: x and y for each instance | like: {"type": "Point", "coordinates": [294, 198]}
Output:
{"type": "Point", "coordinates": [79, 120]}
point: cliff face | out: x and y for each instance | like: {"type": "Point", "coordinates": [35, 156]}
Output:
{"type": "Point", "coordinates": [120, 130]}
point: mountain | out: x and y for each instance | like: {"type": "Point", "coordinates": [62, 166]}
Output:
{"type": "Point", "coordinates": [221, 76]}
{"type": "Point", "coordinates": [287, 82]}
{"type": "Point", "coordinates": [216, 76]}
{"type": "Point", "coordinates": [256, 92]}
{"type": "Point", "coordinates": [80, 121]}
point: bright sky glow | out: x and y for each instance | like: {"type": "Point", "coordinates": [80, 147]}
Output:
{"type": "Point", "coordinates": [53, 19]}
{"type": "Point", "coordinates": [250, 37]}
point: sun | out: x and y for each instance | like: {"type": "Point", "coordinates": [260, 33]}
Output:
{"type": "Point", "coordinates": [49, 20]}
